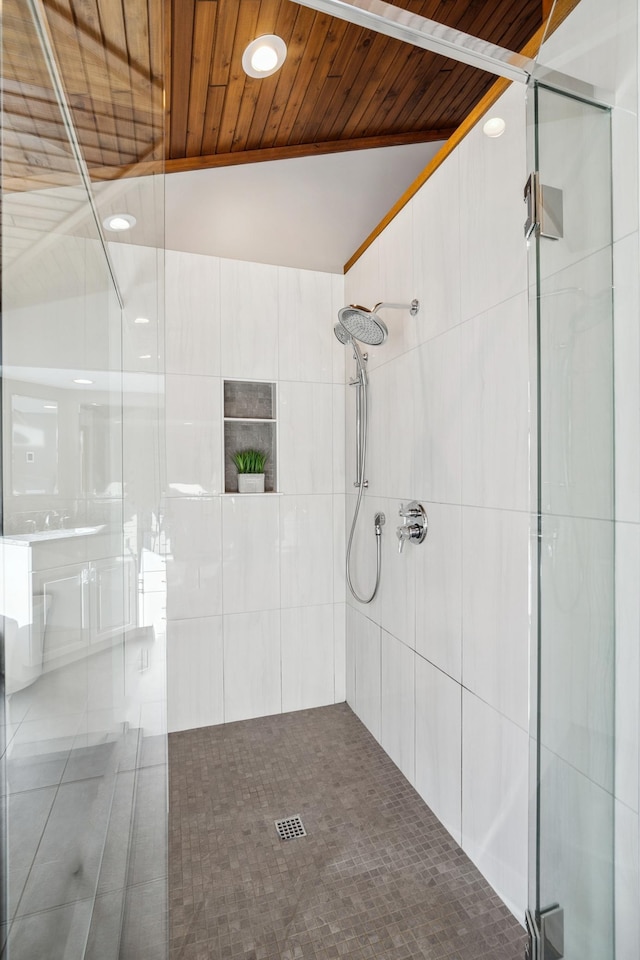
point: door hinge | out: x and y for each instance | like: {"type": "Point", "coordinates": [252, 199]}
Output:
{"type": "Point", "coordinates": [544, 210]}
{"type": "Point", "coordinates": [545, 934]}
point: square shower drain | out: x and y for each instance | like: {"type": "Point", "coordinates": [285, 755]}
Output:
{"type": "Point", "coordinates": [290, 827]}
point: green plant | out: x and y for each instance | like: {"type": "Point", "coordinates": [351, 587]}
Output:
{"type": "Point", "coordinates": [250, 461]}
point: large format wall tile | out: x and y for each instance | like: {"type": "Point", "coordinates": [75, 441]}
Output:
{"type": "Point", "coordinates": [340, 651]}
{"type": "Point", "coordinates": [192, 314]}
{"type": "Point", "coordinates": [397, 592]}
{"type": "Point", "coordinates": [251, 553]}
{"type": "Point", "coordinates": [627, 883]}
{"type": "Point", "coordinates": [495, 407]}
{"type": "Point", "coordinates": [306, 437]}
{"type": "Point", "coordinates": [493, 264]}
{"type": "Point", "coordinates": [367, 671]}
{"type": "Point", "coordinates": [627, 671]}
{"type": "Point", "coordinates": [438, 589]}
{"type": "Point", "coordinates": [306, 550]}
{"type": "Point", "coordinates": [307, 657]}
{"type": "Point", "coordinates": [495, 799]}
{"type": "Point", "coordinates": [194, 566]}
{"type": "Point", "coordinates": [436, 250]}
{"type": "Point", "coordinates": [439, 744]}
{"type": "Point", "coordinates": [194, 673]}
{"type": "Point", "coordinates": [193, 436]}
{"type": "Point", "coordinates": [252, 680]}
{"type": "Point", "coordinates": [577, 818]}
{"type": "Point", "coordinates": [305, 324]}
{"type": "Point", "coordinates": [397, 730]}
{"type": "Point", "coordinates": [627, 381]}
{"type": "Point", "coordinates": [495, 617]}
{"type": "Point", "coordinates": [249, 311]}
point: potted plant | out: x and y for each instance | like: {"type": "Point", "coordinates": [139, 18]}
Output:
{"type": "Point", "coordinates": [250, 467]}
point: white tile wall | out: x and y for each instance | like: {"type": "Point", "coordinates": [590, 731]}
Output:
{"type": "Point", "coordinates": [495, 799]}
{"type": "Point", "coordinates": [252, 675]}
{"type": "Point", "coordinates": [367, 642]}
{"type": "Point", "coordinates": [193, 435]}
{"type": "Point", "coordinates": [398, 721]}
{"type": "Point", "coordinates": [306, 437]}
{"type": "Point", "coordinates": [492, 176]}
{"type": "Point", "coordinates": [192, 314]}
{"type": "Point", "coordinates": [495, 408]}
{"type": "Point", "coordinates": [251, 553]}
{"type": "Point", "coordinates": [438, 589]}
{"type": "Point", "coordinates": [495, 591]}
{"type": "Point", "coordinates": [438, 774]}
{"type": "Point", "coordinates": [238, 561]}
{"type": "Point", "coordinates": [194, 565]}
{"type": "Point", "coordinates": [249, 324]}
{"type": "Point", "coordinates": [195, 673]}
{"type": "Point", "coordinates": [306, 550]}
{"type": "Point", "coordinates": [305, 325]}
{"type": "Point", "coordinates": [307, 657]}
{"type": "Point", "coordinates": [436, 260]}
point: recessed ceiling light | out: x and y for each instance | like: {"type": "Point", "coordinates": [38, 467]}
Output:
{"type": "Point", "coordinates": [50, 406]}
{"type": "Point", "coordinates": [141, 320]}
{"type": "Point", "coordinates": [494, 127]}
{"type": "Point", "coordinates": [264, 55]}
{"type": "Point", "coordinates": [119, 222]}
{"type": "Point", "coordinates": [145, 356]}
{"type": "Point", "coordinates": [81, 380]}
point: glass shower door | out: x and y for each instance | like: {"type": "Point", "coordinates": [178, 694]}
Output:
{"type": "Point", "coordinates": [571, 891]}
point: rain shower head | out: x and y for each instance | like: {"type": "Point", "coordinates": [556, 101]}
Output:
{"type": "Point", "coordinates": [341, 333]}
{"type": "Point", "coordinates": [365, 325]}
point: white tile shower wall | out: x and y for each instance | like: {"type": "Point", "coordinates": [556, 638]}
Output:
{"type": "Point", "coordinates": [256, 583]}
{"type": "Point", "coordinates": [450, 428]}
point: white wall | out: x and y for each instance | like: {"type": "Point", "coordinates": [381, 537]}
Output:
{"type": "Point", "coordinates": [255, 584]}
{"type": "Point", "coordinates": [438, 663]}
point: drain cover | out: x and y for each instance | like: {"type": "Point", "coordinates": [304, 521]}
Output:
{"type": "Point", "coordinates": [290, 827]}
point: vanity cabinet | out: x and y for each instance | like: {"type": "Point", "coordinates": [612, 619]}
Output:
{"type": "Point", "coordinates": [70, 608]}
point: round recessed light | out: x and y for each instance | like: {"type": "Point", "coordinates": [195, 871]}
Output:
{"type": "Point", "coordinates": [119, 221]}
{"type": "Point", "coordinates": [494, 127]}
{"type": "Point", "coordinates": [82, 380]}
{"type": "Point", "coordinates": [142, 320]}
{"type": "Point", "coordinates": [264, 55]}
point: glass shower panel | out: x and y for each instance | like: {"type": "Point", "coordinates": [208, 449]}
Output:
{"type": "Point", "coordinates": [83, 722]}
{"type": "Point", "coordinates": [573, 750]}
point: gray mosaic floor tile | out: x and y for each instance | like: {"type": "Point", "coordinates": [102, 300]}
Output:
{"type": "Point", "coordinates": [376, 878]}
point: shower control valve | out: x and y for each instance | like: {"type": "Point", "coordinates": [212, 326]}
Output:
{"type": "Point", "coordinates": [414, 528]}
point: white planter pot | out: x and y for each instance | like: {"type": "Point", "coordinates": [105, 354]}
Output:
{"type": "Point", "coordinates": [251, 483]}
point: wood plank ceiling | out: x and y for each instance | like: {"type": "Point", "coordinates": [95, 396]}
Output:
{"type": "Point", "coordinates": [341, 87]}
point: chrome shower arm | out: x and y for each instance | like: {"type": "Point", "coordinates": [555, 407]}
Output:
{"type": "Point", "coordinates": [412, 307]}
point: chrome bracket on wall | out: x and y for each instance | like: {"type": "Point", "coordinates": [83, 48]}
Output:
{"type": "Point", "coordinates": [545, 934]}
{"type": "Point", "coordinates": [544, 210]}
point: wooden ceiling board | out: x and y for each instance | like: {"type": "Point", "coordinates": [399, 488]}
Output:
{"type": "Point", "coordinates": [341, 86]}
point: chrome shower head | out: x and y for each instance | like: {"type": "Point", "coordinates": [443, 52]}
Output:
{"type": "Point", "coordinates": [365, 325]}
{"type": "Point", "coordinates": [341, 333]}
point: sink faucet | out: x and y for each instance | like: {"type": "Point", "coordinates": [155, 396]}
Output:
{"type": "Point", "coordinates": [52, 515]}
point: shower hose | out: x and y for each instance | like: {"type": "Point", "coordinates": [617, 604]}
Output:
{"type": "Point", "coordinates": [379, 519]}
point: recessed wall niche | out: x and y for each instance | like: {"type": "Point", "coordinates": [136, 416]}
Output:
{"type": "Point", "coordinates": [250, 424]}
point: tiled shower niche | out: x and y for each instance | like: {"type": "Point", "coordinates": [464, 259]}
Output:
{"type": "Point", "coordinates": [249, 423]}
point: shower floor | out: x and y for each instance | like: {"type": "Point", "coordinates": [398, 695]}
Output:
{"type": "Point", "coordinates": [377, 876]}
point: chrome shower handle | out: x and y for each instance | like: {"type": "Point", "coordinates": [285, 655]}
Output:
{"type": "Point", "coordinates": [414, 531]}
